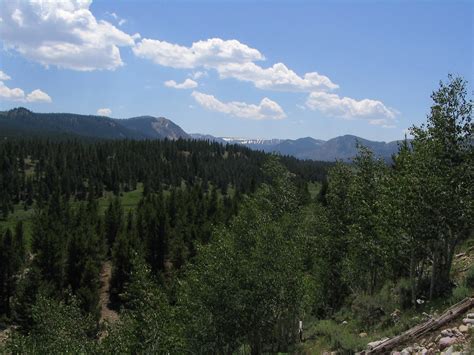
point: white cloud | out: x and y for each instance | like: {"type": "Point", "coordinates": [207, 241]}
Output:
{"type": "Point", "coordinates": [4, 76]}
{"type": "Point", "coordinates": [187, 84]}
{"type": "Point", "coordinates": [198, 75]}
{"type": "Point", "coordinates": [209, 53]}
{"type": "Point", "coordinates": [278, 77]}
{"type": "Point", "coordinates": [104, 112]}
{"type": "Point", "coordinates": [116, 17]}
{"type": "Point", "coordinates": [267, 109]}
{"type": "Point", "coordinates": [17, 94]}
{"type": "Point", "coordinates": [38, 96]}
{"type": "Point", "coordinates": [348, 108]}
{"type": "Point", "coordinates": [231, 59]}
{"type": "Point", "coordinates": [62, 33]}
{"type": "Point", "coordinates": [382, 122]}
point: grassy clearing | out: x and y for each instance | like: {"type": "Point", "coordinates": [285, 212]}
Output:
{"type": "Point", "coordinates": [19, 214]}
{"type": "Point", "coordinates": [129, 199]}
{"type": "Point", "coordinates": [129, 202]}
{"type": "Point", "coordinates": [314, 188]}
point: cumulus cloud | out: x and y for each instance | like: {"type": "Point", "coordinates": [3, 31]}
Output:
{"type": "Point", "coordinates": [266, 109]}
{"type": "Point", "coordinates": [38, 96]}
{"type": "Point", "coordinates": [348, 108]}
{"type": "Point", "coordinates": [4, 76]}
{"type": "Point", "coordinates": [231, 59]}
{"type": "Point", "coordinates": [117, 18]}
{"type": "Point", "coordinates": [62, 33]}
{"type": "Point", "coordinates": [278, 77]}
{"type": "Point", "coordinates": [104, 112]}
{"type": "Point", "coordinates": [17, 94]}
{"type": "Point", "coordinates": [187, 84]}
{"type": "Point", "coordinates": [209, 53]}
{"type": "Point", "coordinates": [198, 75]}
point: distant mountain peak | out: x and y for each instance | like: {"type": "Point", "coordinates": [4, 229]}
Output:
{"type": "Point", "coordinates": [19, 111]}
{"type": "Point", "coordinates": [22, 122]}
{"type": "Point", "coordinates": [155, 127]}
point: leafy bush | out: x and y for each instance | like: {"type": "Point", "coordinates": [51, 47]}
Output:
{"type": "Point", "coordinates": [339, 336]}
{"type": "Point", "coordinates": [460, 293]}
{"type": "Point", "coordinates": [403, 293]}
{"type": "Point", "coordinates": [370, 310]}
{"type": "Point", "coordinates": [469, 279]}
{"type": "Point", "coordinates": [57, 328]}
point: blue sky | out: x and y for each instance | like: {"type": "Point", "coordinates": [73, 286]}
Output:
{"type": "Point", "coordinates": [284, 69]}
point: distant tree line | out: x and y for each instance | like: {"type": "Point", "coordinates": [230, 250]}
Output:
{"type": "Point", "coordinates": [32, 170]}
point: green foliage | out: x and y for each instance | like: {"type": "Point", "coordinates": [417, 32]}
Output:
{"type": "Point", "coordinates": [247, 283]}
{"type": "Point", "coordinates": [370, 310]}
{"type": "Point", "coordinates": [57, 328]}
{"type": "Point", "coordinates": [226, 249]}
{"type": "Point", "coordinates": [339, 336]}
{"type": "Point", "coordinates": [147, 324]}
{"type": "Point", "coordinates": [469, 277]}
{"type": "Point", "coordinates": [113, 221]}
{"type": "Point", "coordinates": [12, 257]}
{"type": "Point", "coordinates": [402, 293]}
{"type": "Point", "coordinates": [435, 185]}
{"type": "Point", "coordinates": [459, 293]}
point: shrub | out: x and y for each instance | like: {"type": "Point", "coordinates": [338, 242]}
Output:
{"type": "Point", "coordinates": [469, 279]}
{"type": "Point", "coordinates": [460, 293]}
{"type": "Point", "coordinates": [367, 310]}
{"type": "Point", "coordinates": [403, 293]}
{"type": "Point", "coordinates": [339, 336]}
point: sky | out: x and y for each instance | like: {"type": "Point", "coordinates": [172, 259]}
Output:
{"type": "Point", "coordinates": [266, 69]}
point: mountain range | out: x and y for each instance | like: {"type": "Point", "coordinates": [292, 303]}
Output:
{"type": "Point", "coordinates": [23, 122]}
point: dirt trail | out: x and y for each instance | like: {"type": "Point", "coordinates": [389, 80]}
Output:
{"type": "Point", "coordinates": [106, 314]}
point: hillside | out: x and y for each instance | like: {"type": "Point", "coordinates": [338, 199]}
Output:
{"type": "Point", "coordinates": [338, 148]}
{"type": "Point", "coordinates": [23, 122]}
{"type": "Point", "coordinates": [154, 127]}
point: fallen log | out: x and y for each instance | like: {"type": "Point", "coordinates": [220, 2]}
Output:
{"type": "Point", "coordinates": [420, 329]}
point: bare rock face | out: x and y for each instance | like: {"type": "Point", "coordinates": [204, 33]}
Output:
{"type": "Point", "coordinates": [446, 333]}
{"type": "Point", "coordinates": [463, 328]}
{"type": "Point", "coordinates": [375, 343]}
{"type": "Point", "coordinates": [446, 342]}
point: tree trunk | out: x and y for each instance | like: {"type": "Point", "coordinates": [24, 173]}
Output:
{"type": "Point", "coordinates": [434, 271]}
{"type": "Point", "coordinates": [419, 330]}
{"type": "Point", "coordinates": [412, 277]}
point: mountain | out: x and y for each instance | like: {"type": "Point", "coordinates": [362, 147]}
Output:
{"type": "Point", "coordinates": [23, 122]}
{"type": "Point", "coordinates": [300, 148]}
{"type": "Point", "coordinates": [339, 148]}
{"type": "Point", "coordinates": [345, 148]}
{"type": "Point", "coordinates": [257, 144]}
{"type": "Point", "coordinates": [154, 127]}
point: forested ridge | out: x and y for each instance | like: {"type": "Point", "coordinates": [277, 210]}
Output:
{"type": "Point", "coordinates": [227, 250]}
